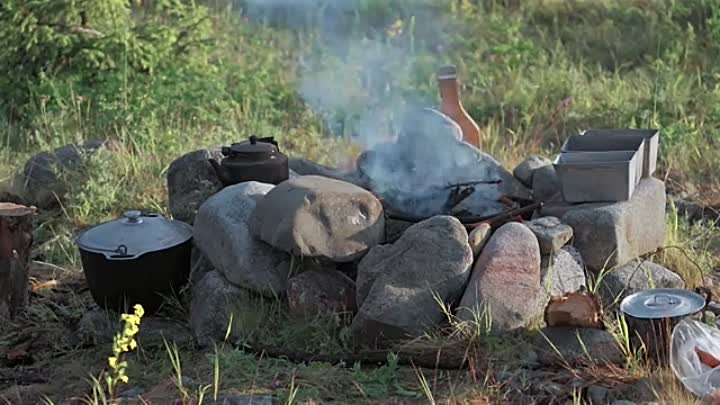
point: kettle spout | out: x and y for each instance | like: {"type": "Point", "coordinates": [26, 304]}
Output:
{"type": "Point", "coordinates": [220, 172]}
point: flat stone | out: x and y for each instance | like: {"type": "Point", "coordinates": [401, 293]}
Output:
{"type": "Point", "coordinates": [214, 301]}
{"type": "Point", "coordinates": [524, 171]}
{"type": "Point", "coordinates": [622, 402]}
{"type": "Point", "coordinates": [552, 234]}
{"type": "Point", "coordinates": [243, 400]}
{"type": "Point", "coordinates": [636, 276]}
{"type": "Point", "coordinates": [563, 272]}
{"type": "Point", "coordinates": [154, 331]}
{"type": "Point", "coordinates": [315, 216]}
{"type": "Point", "coordinates": [318, 292]}
{"type": "Point", "coordinates": [132, 392]}
{"type": "Point", "coordinates": [99, 327]}
{"type": "Point", "coordinates": [221, 231]}
{"type": "Point", "coordinates": [398, 285]}
{"type": "Point", "coordinates": [561, 346]}
{"type": "Point", "coordinates": [644, 390]}
{"type": "Point", "coordinates": [478, 237]}
{"type": "Point", "coordinates": [615, 233]}
{"type": "Point", "coordinates": [545, 183]}
{"type": "Point", "coordinates": [191, 180]}
{"type": "Point", "coordinates": [505, 280]}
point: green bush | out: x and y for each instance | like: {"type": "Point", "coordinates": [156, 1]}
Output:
{"type": "Point", "coordinates": [63, 51]}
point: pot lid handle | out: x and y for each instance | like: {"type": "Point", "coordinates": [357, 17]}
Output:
{"type": "Point", "coordinates": [133, 217]}
{"type": "Point", "coordinates": [661, 300]}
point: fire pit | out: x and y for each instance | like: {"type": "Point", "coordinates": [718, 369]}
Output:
{"type": "Point", "coordinates": [516, 208]}
{"type": "Point", "coordinates": [429, 171]}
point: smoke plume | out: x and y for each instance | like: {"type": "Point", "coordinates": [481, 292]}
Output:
{"type": "Point", "coordinates": [370, 78]}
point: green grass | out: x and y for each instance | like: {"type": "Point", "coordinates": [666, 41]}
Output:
{"type": "Point", "coordinates": [636, 63]}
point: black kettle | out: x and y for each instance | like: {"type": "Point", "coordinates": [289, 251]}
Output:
{"type": "Point", "coordinates": [257, 159]}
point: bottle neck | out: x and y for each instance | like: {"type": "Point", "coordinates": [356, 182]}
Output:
{"type": "Point", "coordinates": [449, 92]}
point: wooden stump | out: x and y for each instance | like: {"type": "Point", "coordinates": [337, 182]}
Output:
{"type": "Point", "coordinates": [15, 244]}
{"type": "Point", "coordinates": [579, 309]}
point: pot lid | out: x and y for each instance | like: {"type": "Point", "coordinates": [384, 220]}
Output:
{"type": "Point", "coordinates": [254, 146]}
{"type": "Point", "coordinates": [661, 303]}
{"type": "Point", "coordinates": [133, 235]}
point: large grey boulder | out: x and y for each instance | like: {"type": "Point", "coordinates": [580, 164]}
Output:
{"type": "Point", "coordinates": [560, 346]}
{"type": "Point", "coordinates": [221, 232]}
{"type": "Point", "coordinates": [505, 280]}
{"type": "Point", "coordinates": [191, 180]}
{"type": "Point", "coordinates": [315, 216]}
{"type": "Point", "coordinates": [45, 177]}
{"type": "Point", "coordinates": [398, 285]}
{"type": "Point", "coordinates": [611, 234]}
{"type": "Point", "coordinates": [214, 303]}
{"type": "Point", "coordinates": [316, 292]}
{"type": "Point", "coordinates": [563, 272]}
{"type": "Point", "coordinates": [524, 171]}
{"type": "Point", "coordinates": [635, 276]}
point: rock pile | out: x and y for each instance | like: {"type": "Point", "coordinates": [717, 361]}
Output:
{"type": "Point", "coordinates": [322, 243]}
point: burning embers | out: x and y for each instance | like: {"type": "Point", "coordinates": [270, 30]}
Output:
{"type": "Point", "coordinates": [430, 171]}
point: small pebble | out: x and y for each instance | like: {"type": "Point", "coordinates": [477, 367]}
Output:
{"type": "Point", "coordinates": [553, 388]}
{"type": "Point", "coordinates": [598, 395]}
{"type": "Point", "coordinates": [503, 376]}
{"type": "Point", "coordinates": [132, 392]}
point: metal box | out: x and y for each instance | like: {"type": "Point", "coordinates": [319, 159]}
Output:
{"type": "Point", "coordinates": [597, 176]}
{"type": "Point", "coordinates": [652, 139]}
{"type": "Point", "coordinates": [609, 142]}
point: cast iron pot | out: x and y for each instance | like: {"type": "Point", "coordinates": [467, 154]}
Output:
{"type": "Point", "coordinates": [651, 316]}
{"type": "Point", "coordinates": [137, 259]}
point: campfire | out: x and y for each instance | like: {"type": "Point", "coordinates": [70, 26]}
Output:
{"type": "Point", "coordinates": [428, 170]}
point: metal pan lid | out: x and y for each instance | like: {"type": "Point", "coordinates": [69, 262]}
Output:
{"type": "Point", "coordinates": [134, 235]}
{"type": "Point", "coordinates": [661, 303]}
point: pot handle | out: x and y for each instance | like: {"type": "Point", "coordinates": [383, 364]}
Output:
{"type": "Point", "coordinates": [118, 254]}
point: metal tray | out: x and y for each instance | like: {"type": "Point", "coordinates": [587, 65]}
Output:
{"type": "Point", "coordinates": [609, 143]}
{"type": "Point", "coordinates": [651, 136]}
{"type": "Point", "coordinates": [597, 176]}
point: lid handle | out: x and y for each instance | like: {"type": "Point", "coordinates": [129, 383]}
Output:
{"type": "Point", "coordinates": [661, 300]}
{"type": "Point", "coordinates": [133, 217]}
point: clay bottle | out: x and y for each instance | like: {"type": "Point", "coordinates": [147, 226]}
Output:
{"type": "Point", "coordinates": [452, 106]}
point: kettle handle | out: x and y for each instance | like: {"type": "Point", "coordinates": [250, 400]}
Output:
{"type": "Point", "coordinates": [269, 139]}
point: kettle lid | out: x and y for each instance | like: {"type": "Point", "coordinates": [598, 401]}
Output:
{"type": "Point", "coordinates": [253, 146]}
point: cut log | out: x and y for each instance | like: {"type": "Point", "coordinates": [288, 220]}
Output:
{"type": "Point", "coordinates": [15, 244]}
{"type": "Point", "coordinates": [578, 309]}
